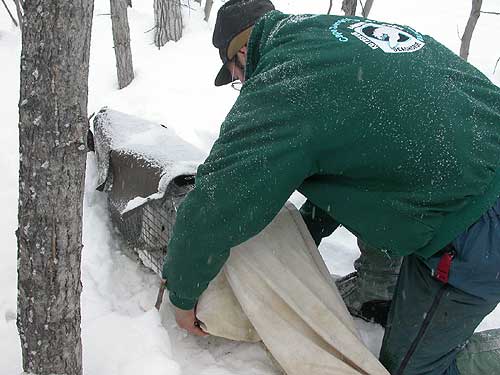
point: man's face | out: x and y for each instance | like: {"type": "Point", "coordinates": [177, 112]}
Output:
{"type": "Point", "coordinates": [237, 65]}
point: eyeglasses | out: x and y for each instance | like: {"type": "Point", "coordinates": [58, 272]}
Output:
{"type": "Point", "coordinates": [236, 85]}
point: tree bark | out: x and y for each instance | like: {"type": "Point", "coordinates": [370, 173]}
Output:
{"type": "Point", "coordinates": [121, 39]}
{"type": "Point", "coordinates": [469, 29]}
{"type": "Point", "coordinates": [52, 129]}
{"type": "Point", "coordinates": [168, 21]}
{"type": "Point", "coordinates": [367, 8]}
{"type": "Point", "coordinates": [208, 9]}
{"type": "Point", "coordinates": [349, 7]}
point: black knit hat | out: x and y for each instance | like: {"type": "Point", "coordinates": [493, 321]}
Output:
{"type": "Point", "coordinates": [232, 29]}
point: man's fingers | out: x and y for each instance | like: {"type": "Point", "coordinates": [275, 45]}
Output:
{"type": "Point", "coordinates": [198, 331]}
{"type": "Point", "coordinates": [186, 319]}
{"type": "Point", "coordinates": [192, 327]}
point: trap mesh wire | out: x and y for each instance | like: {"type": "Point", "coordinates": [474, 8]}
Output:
{"type": "Point", "coordinates": [148, 228]}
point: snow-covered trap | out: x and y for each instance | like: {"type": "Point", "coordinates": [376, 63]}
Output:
{"type": "Point", "coordinates": [147, 170]}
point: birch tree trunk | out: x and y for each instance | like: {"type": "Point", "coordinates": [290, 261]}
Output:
{"type": "Point", "coordinates": [121, 39]}
{"type": "Point", "coordinates": [367, 8]}
{"type": "Point", "coordinates": [349, 7]}
{"type": "Point", "coordinates": [52, 129]}
{"type": "Point", "coordinates": [208, 9]}
{"type": "Point", "coordinates": [168, 21]}
{"type": "Point", "coordinates": [469, 29]}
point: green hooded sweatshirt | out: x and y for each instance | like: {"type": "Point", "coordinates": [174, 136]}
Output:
{"type": "Point", "coordinates": [387, 130]}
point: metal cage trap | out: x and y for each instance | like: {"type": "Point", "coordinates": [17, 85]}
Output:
{"type": "Point", "coordinates": [158, 172]}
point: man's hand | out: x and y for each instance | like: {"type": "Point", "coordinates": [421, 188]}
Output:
{"type": "Point", "coordinates": [186, 319]}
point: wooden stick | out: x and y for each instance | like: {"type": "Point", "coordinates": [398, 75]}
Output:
{"type": "Point", "coordinates": [495, 13]}
{"type": "Point", "coordinates": [161, 291]}
{"type": "Point", "coordinates": [10, 14]}
{"type": "Point", "coordinates": [19, 10]}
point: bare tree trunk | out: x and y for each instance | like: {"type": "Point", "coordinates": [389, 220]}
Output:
{"type": "Point", "coordinates": [10, 14]}
{"type": "Point", "coordinates": [367, 8]}
{"type": "Point", "coordinates": [52, 129]}
{"type": "Point", "coordinates": [168, 21]}
{"type": "Point", "coordinates": [469, 29]}
{"type": "Point", "coordinates": [349, 7]}
{"type": "Point", "coordinates": [121, 39]}
{"type": "Point", "coordinates": [330, 7]}
{"type": "Point", "coordinates": [208, 9]}
{"type": "Point", "coordinates": [19, 10]}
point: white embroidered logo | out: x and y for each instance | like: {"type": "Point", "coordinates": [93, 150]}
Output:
{"type": "Point", "coordinates": [389, 38]}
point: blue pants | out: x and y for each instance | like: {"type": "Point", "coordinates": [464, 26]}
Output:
{"type": "Point", "coordinates": [430, 321]}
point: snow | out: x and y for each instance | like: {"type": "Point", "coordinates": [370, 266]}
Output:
{"type": "Point", "coordinates": [121, 332]}
{"type": "Point", "coordinates": [130, 135]}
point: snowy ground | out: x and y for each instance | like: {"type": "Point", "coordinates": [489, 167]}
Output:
{"type": "Point", "coordinates": [122, 333]}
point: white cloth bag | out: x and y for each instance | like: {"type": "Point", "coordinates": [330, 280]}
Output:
{"type": "Point", "coordinates": [276, 288]}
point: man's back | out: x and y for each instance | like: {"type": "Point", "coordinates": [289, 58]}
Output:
{"type": "Point", "coordinates": [387, 130]}
{"type": "Point", "coordinates": [403, 134]}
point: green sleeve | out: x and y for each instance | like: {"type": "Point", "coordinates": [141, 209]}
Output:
{"type": "Point", "coordinates": [318, 221]}
{"type": "Point", "coordinates": [251, 171]}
